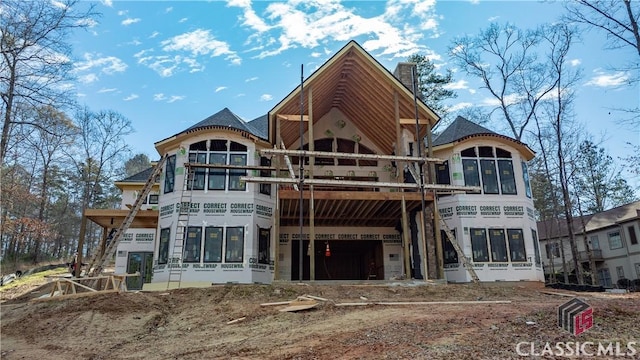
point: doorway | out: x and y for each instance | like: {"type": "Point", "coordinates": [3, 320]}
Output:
{"type": "Point", "coordinates": [348, 260]}
{"type": "Point", "coordinates": [142, 262]}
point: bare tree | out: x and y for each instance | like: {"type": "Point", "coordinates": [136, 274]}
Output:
{"type": "Point", "coordinates": [505, 59]}
{"type": "Point", "coordinates": [36, 56]}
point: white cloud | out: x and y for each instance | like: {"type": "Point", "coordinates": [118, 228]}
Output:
{"type": "Point", "coordinates": [107, 64]}
{"type": "Point", "coordinates": [474, 2]}
{"type": "Point", "coordinates": [312, 23]}
{"type": "Point", "coordinates": [169, 9]}
{"type": "Point", "coordinates": [58, 4]}
{"type": "Point", "coordinates": [472, 91]}
{"type": "Point", "coordinates": [166, 65]}
{"type": "Point", "coordinates": [154, 34]}
{"type": "Point", "coordinates": [460, 106]}
{"type": "Point", "coordinates": [88, 22]}
{"type": "Point", "coordinates": [108, 3]}
{"type": "Point", "coordinates": [129, 21]}
{"type": "Point", "coordinates": [201, 42]}
{"type": "Point", "coordinates": [508, 99]}
{"type": "Point", "coordinates": [122, 12]}
{"type": "Point", "coordinates": [251, 79]}
{"type": "Point", "coordinates": [134, 42]}
{"type": "Point", "coordinates": [575, 62]}
{"type": "Point", "coordinates": [493, 18]}
{"type": "Point", "coordinates": [266, 97]}
{"type": "Point", "coordinates": [601, 79]}
{"type": "Point", "coordinates": [458, 85]}
{"type": "Point", "coordinates": [88, 78]}
{"type": "Point", "coordinates": [131, 97]}
{"type": "Point", "coordinates": [220, 88]}
{"type": "Point", "coordinates": [107, 90]}
{"type": "Point", "coordinates": [183, 20]}
{"type": "Point", "coordinates": [175, 98]}
{"type": "Point", "coordinates": [170, 99]}
{"type": "Point", "coordinates": [316, 54]}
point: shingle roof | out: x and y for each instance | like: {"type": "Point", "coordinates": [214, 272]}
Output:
{"type": "Point", "coordinates": [142, 176]}
{"type": "Point", "coordinates": [225, 118]}
{"type": "Point", "coordinates": [261, 124]}
{"type": "Point", "coordinates": [612, 217]}
{"type": "Point", "coordinates": [459, 129]}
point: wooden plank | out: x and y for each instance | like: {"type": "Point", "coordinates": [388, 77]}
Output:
{"type": "Point", "coordinates": [557, 293]}
{"type": "Point", "coordinates": [292, 117]}
{"type": "Point", "coordinates": [80, 285]}
{"type": "Point", "coordinates": [298, 305]}
{"type": "Point", "coordinates": [444, 302]}
{"type": "Point", "coordinates": [315, 297]}
{"type": "Point", "coordinates": [73, 296]}
{"type": "Point", "coordinates": [405, 121]}
{"type": "Point", "coordinates": [354, 304]}
{"type": "Point", "coordinates": [340, 155]}
{"type": "Point", "coordinates": [276, 303]}
{"type": "Point", "coordinates": [236, 320]}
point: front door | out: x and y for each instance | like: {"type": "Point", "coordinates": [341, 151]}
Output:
{"type": "Point", "coordinates": [141, 262]}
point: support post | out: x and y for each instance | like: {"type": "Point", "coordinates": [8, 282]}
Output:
{"type": "Point", "coordinates": [312, 218]}
{"type": "Point", "coordinates": [78, 258]}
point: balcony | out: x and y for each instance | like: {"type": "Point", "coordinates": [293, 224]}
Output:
{"type": "Point", "coordinates": [583, 256]}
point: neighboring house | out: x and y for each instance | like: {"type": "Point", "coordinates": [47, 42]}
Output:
{"type": "Point", "coordinates": [495, 228]}
{"type": "Point", "coordinates": [611, 236]}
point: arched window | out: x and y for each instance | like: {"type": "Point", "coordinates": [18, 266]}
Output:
{"type": "Point", "coordinates": [217, 152]}
{"type": "Point", "coordinates": [343, 146]}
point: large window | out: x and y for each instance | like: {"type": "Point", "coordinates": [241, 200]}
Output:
{"type": "Point", "coordinates": [498, 245]}
{"type": "Point", "coordinates": [449, 252]}
{"type": "Point", "coordinates": [264, 246]}
{"type": "Point", "coordinates": [170, 174]}
{"type": "Point", "coordinates": [595, 242]}
{"type": "Point", "coordinates": [525, 177]}
{"type": "Point", "coordinates": [442, 173]}
{"type": "Point", "coordinates": [479, 169]}
{"type": "Point", "coordinates": [192, 244]}
{"type": "Point", "coordinates": [553, 250]}
{"type": "Point", "coordinates": [516, 245]}
{"type": "Point", "coordinates": [213, 244]}
{"type": "Point", "coordinates": [615, 241]}
{"type": "Point", "coordinates": [343, 146]}
{"type": "Point", "coordinates": [265, 188]}
{"type": "Point", "coordinates": [234, 244]}
{"type": "Point", "coordinates": [479, 245]}
{"type": "Point", "coordinates": [604, 277]}
{"type": "Point", "coordinates": [163, 249]}
{"type": "Point", "coordinates": [217, 152]}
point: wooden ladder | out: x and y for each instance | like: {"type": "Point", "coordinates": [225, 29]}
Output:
{"type": "Point", "coordinates": [177, 254]}
{"type": "Point", "coordinates": [97, 263]}
{"type": "Point", "coordinates": [465, 260]}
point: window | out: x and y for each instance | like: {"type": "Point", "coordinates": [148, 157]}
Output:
{"type": "Point", "coordinates": [170, 174]}
{"type": "Point", "coordinates": [615, 241]}
{"type": "Point", "coordinates": [442, 173]}
{"type": "Point", "coordinates": [470, 171]}
{"type": "Point", "coordinates": [449, 252]}
{"type": "Point", "coordinates": [595, 243]}
{"type": "Point", "coordinates": [234, 244]}
{"type": "Point", "coordinates": [536, 247]}
{"type": "Point", "coordinates": [507, 179]}
{"type": "Point", "coordinates": [489, 179]}
{"type": "Point", "coordinates": [493, 182]}
{"type": "Point", "coordinates": [163, 249]}
{"type": "Point", "coordinates": [525, 177]}
{"type": "Point", "coordinates": [633, 239]}
{"type": "Point", "coordinates": [325, 145]}
{"type": "Point", "coordinates": [637, 270]}
{"type": "Point", "coordinates": [365, 150]}
{"type": "Point", "coordinates": [620, 272]}
{"type": "Point", "coordinates": [498, 245]}
{"type": "Point", "coordinates": [516, 245]}
{"type": "Point", "coordinates": [198, 174]}
{"type": "Point", "coordinates": [212, 244]}
{"type": "Point", "coordinates": [264, 246]}
{"type": "Point", "coordinates": [346, 146]}
{"type": "Point", "coordinates": [235, 183]}
{"type": "Point", "coordinates": [265, 188]}
{"type": "Point", "coordinates": [153, 199]}
{"type": "Point", "coordinates": [479, 245]}
{"type": "Point", "coordinates": [604, 277]}
{"type": "Point", "coordinates": [553, 250]}
{"type": "Point", "coordinates": [192, 244]}
{"type": "Point", "coordinates": [217, 176]}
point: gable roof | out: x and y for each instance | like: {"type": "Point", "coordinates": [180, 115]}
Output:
{"type": "Point", "coordinates": [357, 85]}
{"type": "Point", "coordinates": [261, 125]}
{"type": "Point", "coordinates": [557, 228]}
{"type": "Point", "coordinates": [462, 129]}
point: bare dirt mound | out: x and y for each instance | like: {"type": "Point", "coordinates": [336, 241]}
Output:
{"type": "Point", "coordinates": [192, 323]}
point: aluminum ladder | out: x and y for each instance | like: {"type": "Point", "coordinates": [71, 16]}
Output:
{"type": "Point", "coordinates": [176, 259]}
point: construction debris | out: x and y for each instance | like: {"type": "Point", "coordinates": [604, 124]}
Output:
{"type": "Point", "coordinates": [425, 303]}
{"type": "Point", "coordinates": [298, 305]}
{"type": "Point", "coordinates": [236, 320]}
{"type": "Point", "coordinates": [65, 288]}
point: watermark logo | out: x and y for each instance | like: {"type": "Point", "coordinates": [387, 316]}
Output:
{"type": "Point", "coordinates": [575, 316]}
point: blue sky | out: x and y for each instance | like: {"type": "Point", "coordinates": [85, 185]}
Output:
{"type": "Point", "coordinates": [166, 65]}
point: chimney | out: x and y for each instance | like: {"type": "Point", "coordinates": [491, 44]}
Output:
{"type": "Point", "coordinates": [403, 73]}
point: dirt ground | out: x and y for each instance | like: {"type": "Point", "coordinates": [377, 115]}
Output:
{"type": "Point", "coordinates": [192, 323]}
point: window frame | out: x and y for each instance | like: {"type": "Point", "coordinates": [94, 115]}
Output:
{"type": "Point", "coordinates": [515, 257]}
{"type": "Point", "coordinates": [165, 237]}
{"type": "Point", "coordinates": [502, 246]}
{"type": "Point", "coordinates": [264, 246]}
{"type": "Point", "coordinates": [633, 237]}
{"type": "Point", "coordinates": [619, 239]}
{"type": "Point", "coordinates": [449, 253]}
{"type": "Point", "coordinates": [196, 248]}
{"type": "Point", "coordinates": [212, 259]}
{"type": "Point", "coordinates": [482, 254]}
{"type": "Point", "coordinates": [228, 256]}
{"type": "Point", "coordinates": [170, 174]}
